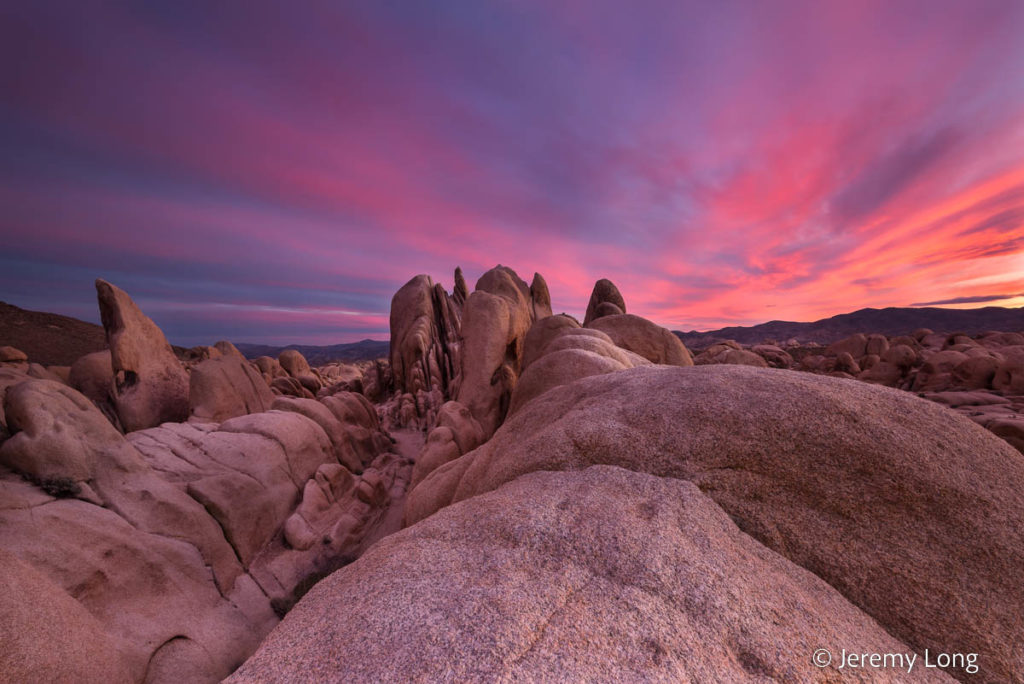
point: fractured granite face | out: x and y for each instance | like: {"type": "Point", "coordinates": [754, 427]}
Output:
{"type": "Point", "coordinates": [183, 543]}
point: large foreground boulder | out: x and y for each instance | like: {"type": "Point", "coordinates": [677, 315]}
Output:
{"type": "Point", "coordinates": [599, 575]}
{"type": "Point", "coordinates": [184, 542]}
{"type": "Point", "coordinates": [151, 592]}
{"type": "Point", "coordinates": [150, 385]}
{"type": "Point", "coordinates": [913, 513]}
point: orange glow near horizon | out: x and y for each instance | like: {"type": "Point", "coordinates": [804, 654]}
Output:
{"type": "Point", "coordinates": [722, 163]}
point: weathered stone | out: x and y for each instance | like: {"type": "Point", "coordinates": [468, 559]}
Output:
{"type": "Point", "coordinates": [47, 635]}
{"type": "Point", "coordinates": [936, 373]}
{"type": "Point", "coordinates": [226, 387]}
{"type": "Point", "coordinates": [854, 345]}
{"type": "Point", "coordinates": [976, 372]}
{"type": "Point", "coordinates": [604, 292]}
{"type": "Point", "coordinates": [1009, 376]}
{"type": "Point", "coordinates": [11, 355]}
{"type": "Point", "coordinates": [540, 297]}
{"type": "Point", "coordinates": [641, 336]}
{"type": "Point", "coordinates": [597, 575]}
{"type": "Point", "coordinates": [495, 320]}
{"type": "Point", "coordinates": [150, 384]}
{"type": "Point", "coordinates": [426, 325]}
{"type": "Point", "coordinates": [795, 457]}
{"type": "Point", "coordinates": [845, 363]}
{"type": "Point", "coordinates": [295, 364]}
{"type": "Point", "coordinates": [774, 356]}
{"type": "Point", "coordinates": [876, 344]}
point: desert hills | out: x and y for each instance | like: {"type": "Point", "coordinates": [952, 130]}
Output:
{"type": "Point", "coordinates": [580, 501]}
{"type": "Point", "coordinates": [892, 322]}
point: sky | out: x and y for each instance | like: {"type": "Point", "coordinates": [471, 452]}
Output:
{"type": "Point", "coordinates": [273, 172]}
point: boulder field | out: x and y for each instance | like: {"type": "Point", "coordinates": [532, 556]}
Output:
{"type": "Point", "coordinates": [957, 370]}
{"type": "Point", "coordinates": [716, 523]}
{"type": "Point", "coordinates": [513, 495]}
{"type": "Point", "coordinates": [157, 521]}
{"type": "Point", "coordinates": [912, 513]}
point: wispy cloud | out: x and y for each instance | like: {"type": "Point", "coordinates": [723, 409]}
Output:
{"type": "Point", "coordinates": [970, 300]}
{"type": "Point", "coordinates": [721, 163]}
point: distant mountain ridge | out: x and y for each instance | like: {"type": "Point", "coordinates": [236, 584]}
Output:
{"type": "Point", "coordinates": [363, 350]}
{"type": "Point", "coordinates": [889, 321]}
{"type": "Point", "coordinates": [47, 338]}
{"type": "Point", "coordinates": [53, 339]}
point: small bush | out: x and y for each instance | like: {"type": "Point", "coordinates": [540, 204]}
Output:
{"type": "Point", "coordinates": [60, 487]}
{"type": "Point", "coordinates": [57, 487]}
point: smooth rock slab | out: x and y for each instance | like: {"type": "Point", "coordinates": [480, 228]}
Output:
{"type": "Point", "coordinates": [599, 575]}
{"type": "Point", "coordinates": [47, 635]}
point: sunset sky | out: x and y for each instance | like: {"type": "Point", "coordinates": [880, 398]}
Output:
{"type": "Point", "coordinates": [264, 173]}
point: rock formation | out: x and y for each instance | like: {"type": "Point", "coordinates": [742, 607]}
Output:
{"type": "Point", "coordinates": [172, 552]}
{"type": "Point", "coordinates": [558, 351]}
{"type": "Point", "coordinates": [48, 636]}
{"type": "Point", "coordinates": [144, 549]}
{"type": "Point", "coordinates": [879, 486]}
{"type": "Point", "coordinates": [540, 297]}
{"type": "Point", "coordinates": [605, 300]}
{"type": "Point", "coordinates": [295, 364]}
{"type": "Point", "coordinates": [729, 352]}
{"type": "Point", "coordinates": [226, 387]}
{"type": "Point", "coordinates": [455, 433]}
{"type": "Point", "coordinates": [342, 377]}
{"type": "Point", "coordinates": [93, 376]}
{"type": "Point", "coordinates": [639, 335]}
{"type": "Point", "coordinates": [426, 362]}
{"type": "Point", "coordinates": [270, 368]}
{"type": "Point", "coordinates": [584, 504]}
{"type": "Point", "coordinates": [424, 326]}
{"type": "Point", "coordinates": [497, 315]}
{"type": "Point", "coordinates": [461, 291]}
{"type": "Point", "coordinates": [11, 355]}
{"type": "Point", "coordinates": [1009, 374]}
{"type": "Point", "coordinates": [291, 387]}
{"type": "Point", "coordinates": [150, 385]}
{"type": "Point", "coordinates": [596, 575]}
{"type": "Point", "coordinates": [932, 364]}
{"type": "Point", "coordinates": [774, 356]}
